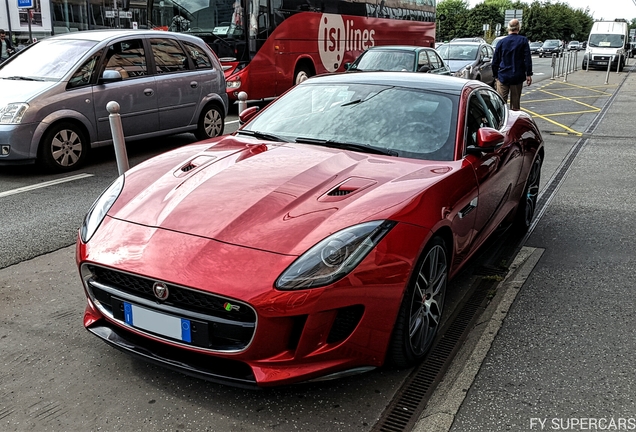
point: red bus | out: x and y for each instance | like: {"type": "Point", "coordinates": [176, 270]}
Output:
{"type": "Point", "coordinates": [266, 46]}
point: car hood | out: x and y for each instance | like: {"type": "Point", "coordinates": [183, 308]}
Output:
{"type": "Point", "coordinates": [277, 197]}
{"type": "Point", "coordinates": [456, 65]}
{"type": "Point", "coordinates": [21, 91]}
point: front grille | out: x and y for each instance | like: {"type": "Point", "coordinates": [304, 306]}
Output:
{"type": "Point", "coordinates": [183, 298]}
{"type": "Point", "coordinates": [217, 328]}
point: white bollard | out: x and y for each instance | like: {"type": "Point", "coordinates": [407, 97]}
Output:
{"type": "Point", "coordinates": [118, 136]}
{"type": "Point", "coordinates": [242, 105]}
{"type": "Point", "coordinates": [609, 67]}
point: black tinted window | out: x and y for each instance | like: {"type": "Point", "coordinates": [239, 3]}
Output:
{"type": "Point", "coordinates": [128, 58]}
{"type": "Point", "coordinates": [198, 55]}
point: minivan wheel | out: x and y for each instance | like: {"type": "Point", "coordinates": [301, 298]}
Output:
{"type": "Point", "coordinates": [211, 123]}
{"type": "Point", "coordinates": [63, 148]}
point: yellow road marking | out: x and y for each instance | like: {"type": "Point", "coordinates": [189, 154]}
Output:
{"type": "Point", "coordinates": [570, 99]}
{"type": "Point", "coordinates": [559, 98]}
{"type": "Point", "coordinates": [571, 113]}
{"type": "Point", "coordinates": [552, 121]}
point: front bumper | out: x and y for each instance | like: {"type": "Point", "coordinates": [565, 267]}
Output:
{"type": "Point", "coordinates": [295, 335]}
{"type": "Point", "coordinates": [16, 143]}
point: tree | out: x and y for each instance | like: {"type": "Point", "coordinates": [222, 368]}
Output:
{"type": "Point", "coordinates": [455, 12]}
{"type": "Point", "coordinates": [482, 14]}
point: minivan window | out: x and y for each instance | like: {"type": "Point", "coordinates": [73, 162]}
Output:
{"type": "Point", "coordinates": [198, 56]}
{"type": "Point", "coordinates": [84, 74]}
{"type": "Point", "coordinates": [128, 58]}
{"type": "Point", "coordinates": [48, 60]}
{"type": "Point", "coordinates": [169, 56]}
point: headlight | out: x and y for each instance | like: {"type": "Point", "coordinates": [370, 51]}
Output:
{"type": "Point", "coordinates": [13, 113]}
{"type": "Point", "coordinates": [464, 72]}
{"type": "Point", "coordinates": [233, 84]}
{"type": "Point", "coordinates": [100, 207]}
{"type": "Point", "coordinates": [334, 257]}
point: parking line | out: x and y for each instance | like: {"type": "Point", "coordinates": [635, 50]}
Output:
{"type": "Point", "coordinates": [44, 184]}
{"type": "Point", "coordinates": [534, 114]}
{"type": "Point", "coordinates": [570, 99]}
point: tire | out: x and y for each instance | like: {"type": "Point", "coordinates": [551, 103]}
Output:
{"type": "Point", "coordinates": [528, 201]}
{"type": "Point", "coordinates": [211, 123]}
{"type": "Point", "coordinates": [540, 55]}
{"type": "Point", "coordinates": [64, 147]}
{"type": "Point", "coordinates": [421, 310]}
{"type": "Point", "coordinates": [301, 74]}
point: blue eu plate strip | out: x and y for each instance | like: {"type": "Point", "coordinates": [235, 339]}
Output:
{"type": "Point", "coordinates": [128, 314]}
{"type": "Point", "coordinates": [185, 331]}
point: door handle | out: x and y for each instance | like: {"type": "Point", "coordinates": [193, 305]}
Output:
{"type": "Point", "coordinates": [149, 92]}
{"type": "Point", "coordinates": [194, 84]}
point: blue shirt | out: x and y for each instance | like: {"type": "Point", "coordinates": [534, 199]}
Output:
{"type": "Point", "coordinates": [512, 61]}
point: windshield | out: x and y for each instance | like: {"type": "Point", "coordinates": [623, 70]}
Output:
{"type": "Point", "coordinates": [607, 40]}
{"type": "Point", "coordinates": [386, 61]}
{"type": "Point", "coordinates": [405, 122]}
{"type": "Point", "coordinates": [221, 18]}
{"type": "Point", "coordinates": [458, 52]}
{"type": "Point", "coordinates": [551, 43]}
{"type": "Point", "coordinates": [48, 60]}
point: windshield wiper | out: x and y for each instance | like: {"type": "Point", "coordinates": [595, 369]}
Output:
{"type": "Point", "coordinates": [23, 78]}
{"type": "Point", "coordinates": [261, 135]}
{"type": "Point", "coordinates": [346, 146]}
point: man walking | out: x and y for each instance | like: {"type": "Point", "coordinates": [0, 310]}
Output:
{"type": "Point", "coordinates": [512, 65]}
{"type": "Point", "coordinates": [6, 48]}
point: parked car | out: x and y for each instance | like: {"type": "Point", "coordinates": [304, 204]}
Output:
{"type": "Point", "coordinates": [471, 60]}
{"type": "Point", "coordinates": [400, 58]}
{"type": "Point", "coordinates": [574, 46]}
{"type": "Point", "coordinates": [469, 39]}
{"type": "Point", "coordinates": [53, 94]}
{"type": "Point", "coordinates": [551, 46]}
{"type": "Point", "coordinates": [535, 46]}
{"type": "Point", "coordinates": [352, 199]}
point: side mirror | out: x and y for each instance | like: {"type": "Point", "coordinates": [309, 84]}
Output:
{"type": "Point", "coordinates": [347, 66]}
{"type": "Point", "coordinates": [247, 114]}
{"type": "Point", "coordinates": [488, 140]}
{"type": "Point", "coordinates": [424, 69]}
{"type": "Point", "coordinates": [110, 76]}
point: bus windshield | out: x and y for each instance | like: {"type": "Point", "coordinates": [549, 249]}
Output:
{"type": "Point", "coordinates": [223, 18]}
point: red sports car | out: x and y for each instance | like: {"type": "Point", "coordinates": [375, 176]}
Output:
{"type": "Point", "coordinates": [316, 241]}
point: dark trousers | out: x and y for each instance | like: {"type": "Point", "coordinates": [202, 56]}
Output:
{"type": "Point", "coordinates": [514, 90]}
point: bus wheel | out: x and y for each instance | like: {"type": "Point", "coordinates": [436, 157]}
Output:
{"type": "Point", "coordinates": [301, 75]}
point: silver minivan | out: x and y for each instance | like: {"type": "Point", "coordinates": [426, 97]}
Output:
{"type": "Point", "coordinates": [53, 95]}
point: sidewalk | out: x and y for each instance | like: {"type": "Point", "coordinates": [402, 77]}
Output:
{"type": "Point", "coordinates": [564, 357]}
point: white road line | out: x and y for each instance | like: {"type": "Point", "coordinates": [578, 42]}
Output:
{"type": "Point", "coordinates": [44, 184]}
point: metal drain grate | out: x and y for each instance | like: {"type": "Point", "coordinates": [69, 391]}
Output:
{"type": "Point", "coordinates": [411, 399]}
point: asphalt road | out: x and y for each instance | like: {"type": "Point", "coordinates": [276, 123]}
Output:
{"type": "Point", "coordinates": [56, 376]}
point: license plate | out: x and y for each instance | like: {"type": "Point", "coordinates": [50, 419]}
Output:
{"type": "Point", "coordinates": [157, 322]}
{"type": "Point", "coordinates": [602, 63]}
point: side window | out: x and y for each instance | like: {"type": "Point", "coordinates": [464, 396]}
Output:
{"type": "Point", "coordinates": [422, 60]}
{"type": "Point", "coordinates": [478, 117]}
{"type": "Point", "coordinates": [435, 62]}
{"type": "Point", "coordinates": [84, 74]}
{"type": "Point", "coordinates": [495, 107]}
{"type": "Point", "coordinates": [491, 52]}
{"type": "Point", "coordinates": [484, 52]}
{"type": "Point", "coordinates": [128, 58]}
{"type": "Point", "coordinates": [168, 55]}
{"type": "Point", "coordinates": [198, 55]}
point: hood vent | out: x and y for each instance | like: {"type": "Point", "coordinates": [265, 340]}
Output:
{"type": "Point", "coordinates": [349, 186]}
{"type": "Point", "coordinates": [339, 192]}
{"type": "Point", "coordinates": [194, 163]}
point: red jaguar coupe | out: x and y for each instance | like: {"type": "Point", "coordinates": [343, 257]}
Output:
{"type": "Point", "coordinates": [316, 241]}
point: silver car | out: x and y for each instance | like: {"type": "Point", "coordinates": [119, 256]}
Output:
{"type": "Point", "coordinates": [53, 95]}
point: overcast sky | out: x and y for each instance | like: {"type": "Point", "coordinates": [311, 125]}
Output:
{"type": "Point", "coordinates": [605, 9]}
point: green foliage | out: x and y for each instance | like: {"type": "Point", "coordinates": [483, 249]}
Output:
{"type": "Point", "coordinates": [541, 20]}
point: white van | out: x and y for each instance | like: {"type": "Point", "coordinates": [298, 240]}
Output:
{"type": "Point", "coordinates": [608, 42]}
